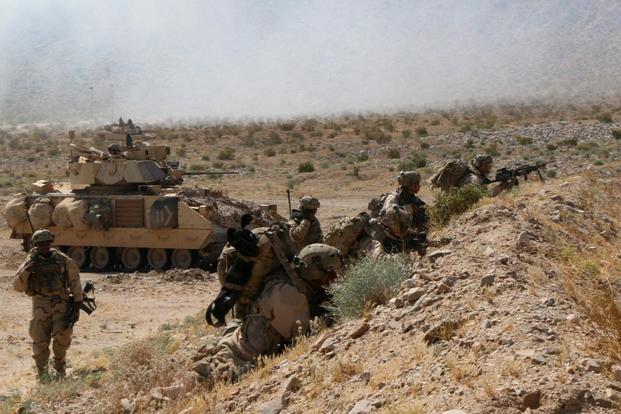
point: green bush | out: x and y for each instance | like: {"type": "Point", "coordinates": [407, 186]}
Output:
{"type": "Point", "coordinates": [551, 147]}
{"type": "Point", "coordinates": [406, 133]}
{"type": "Point", "coordinates": [269, 152]}
{"type": "Point", "coordinates": [306, 167]}
{"type": "Point", "coordinates": [465, 128]}
{"type": "Point", "coordinates": [226, 154]}
{"type": "Point", "coordinates": [569, 142]}
{"type": "Point", "coordinates": [523, 140]}
{"type": "Point", "coordinates": [492, 149]}
{"type": "Point", "coordinates": [598, 162]}
{"type": "Point", "coordinates": [369, 281]}
{"type": "Point", "coordinates": [421, 131]}
{"type": "Point", "coordinates": [274, 138]}
{"type": "Point", "coordinates": [424, 145]}
{"type": "Point", "coordinates": [616, 133]}
{"type": "Point", "coordinates": [286, 126]}
{"type": "Point", "coordinates": [550, 173]}
{"type": "Point", "coordinates": [393, 153]}
{"type": "Point", "coordinates": [606, 117]}
{"type": "Point", "coordinates": [455, 202]}
{"type": "Point", "coordinates": [414, 161]}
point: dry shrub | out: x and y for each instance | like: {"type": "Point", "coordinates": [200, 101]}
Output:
{"type": "Point", "coordinates": [590, 276]}
{"type": "Point", "coordinates": [367, 281]}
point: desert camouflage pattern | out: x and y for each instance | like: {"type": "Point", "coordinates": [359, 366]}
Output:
{"type": "Point", "coordinates": [49, 305]}
{"type": "Point", "coordinates": [304, 232]}
{"type": "Point", "coordinates": [279, 314]}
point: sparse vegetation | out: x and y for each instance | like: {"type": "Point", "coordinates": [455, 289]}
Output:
{"type": "Point", "coordinates": [605, 117]}
{"type": "Point", "coordinates": [522, 140]}
{"type": "Point", "coordinates": [616, 133]}
{"type": "Point", "coordinates": [226, 154]}
{"type": "Point", "coordinates": [393, 153]}
{"type": "Point", "coordinates": [368, 282]}
{"type": "Point", "coordinates": [306, 167]}
{"type": "Point", "coordinates": [421, 131]}
{"type": "Point", "coordinates": [455, 202]}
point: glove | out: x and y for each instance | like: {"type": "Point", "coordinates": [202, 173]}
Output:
{"type": "Point", "coordinates": [308, 215]}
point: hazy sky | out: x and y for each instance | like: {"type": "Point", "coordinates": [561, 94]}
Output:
{"type": "Point", "coordinates": [280, 58]}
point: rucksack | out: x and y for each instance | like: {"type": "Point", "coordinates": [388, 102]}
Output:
{"type": "Point", "coordinates": [376, 204]}
{"type": "Point", "coordinates": [344, 233]}
{"type": "Point", "coordinates": [449, 175]}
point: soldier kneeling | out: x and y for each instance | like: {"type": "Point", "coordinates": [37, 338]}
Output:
{"type": "Point", "coordinates": [281, 311]}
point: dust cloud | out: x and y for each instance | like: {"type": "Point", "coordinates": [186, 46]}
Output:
{"type": "Point", "coordinates": [163, 60]}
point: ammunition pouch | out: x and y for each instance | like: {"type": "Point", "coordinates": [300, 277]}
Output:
{"type": "Point", "coordinates": [47, 275]}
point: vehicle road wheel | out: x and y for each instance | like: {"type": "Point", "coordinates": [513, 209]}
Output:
{"type": "Point", "coordinates": [157, 259]}
{"type": "Point", "coordinates": [181, 258]}
{"type": "Point", "coordinates": [131, 258]}
{"type": "Point", "coordinates": [79, 255]}
{"type": "Point", "coordinates": [100, 258]}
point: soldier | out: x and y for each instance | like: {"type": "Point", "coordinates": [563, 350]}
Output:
{"type": "Point", "coordinates": [480, 167]}
{"type": "Point", "coordinates": [405, 197]}
{"type": "Point", "coordinates": [49, 276]}
{"type": "Point", "coordinates": [402, 220]}
{"type": "Point", "coordinates": [115, 151]}
{"type": "Point", "coordinates": [305, 227]}
{"type": "Point", "coordinates": [281, 311]}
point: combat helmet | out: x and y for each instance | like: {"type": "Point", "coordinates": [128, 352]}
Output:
{"type": "Point", "coordinates": [114, 149]}
{"type": "Point", "coordinates": [318, 263]}
{"type": "Point", "coordinates": [42, 236]}
{"type": "Point", "coordinates": [481, 159]}
{"type": "Point", "coordinates": [407, 178]}
{"type": "Point", "coordinates": [308, 203]}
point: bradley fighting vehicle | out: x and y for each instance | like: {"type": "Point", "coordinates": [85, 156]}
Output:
{"type": "Point", "coordinates": [124, 209]}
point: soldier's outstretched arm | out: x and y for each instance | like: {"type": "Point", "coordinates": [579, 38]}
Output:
{"type": "Point", "coordinates": [20, 282]}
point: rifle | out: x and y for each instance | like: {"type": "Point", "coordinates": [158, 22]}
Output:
{"type": "Point", "coordinates": [88, 305]}
{"type": "Point", "coordinates": [505, 174]}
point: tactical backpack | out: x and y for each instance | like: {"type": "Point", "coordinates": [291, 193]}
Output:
{"type": "Point", "coordinates": [449, 175]}
{"type": "Point", "coordinates": [376, 204]}
{"type": "Point", "coordinates": [344, 233]}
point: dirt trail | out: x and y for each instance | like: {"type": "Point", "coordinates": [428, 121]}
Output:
{"type": "Point", "coordinates": [128, 310]}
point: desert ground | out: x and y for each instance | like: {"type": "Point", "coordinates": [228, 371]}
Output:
{"type": "Point", "coordinates": [519, 333]}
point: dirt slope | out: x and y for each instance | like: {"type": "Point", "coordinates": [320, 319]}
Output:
{"type": "Point", "coordinates": [491, 323]}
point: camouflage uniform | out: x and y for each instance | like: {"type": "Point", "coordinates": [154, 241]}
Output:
{"type": "Point", "coordinates": [279, 313]}
{"type": "Point", "coordinates": [304, 231]}
{"type": "Point", "coordinates": [403, 213]}
{"type": "Point", "coordinates": [474, 175]}
{"type": "Point", "coordinates": [49, 280]}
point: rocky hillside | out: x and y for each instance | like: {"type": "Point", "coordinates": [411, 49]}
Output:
{"type": "Point", "coordinates": [519, 313]}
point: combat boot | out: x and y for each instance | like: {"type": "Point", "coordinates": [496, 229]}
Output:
{"type": "Point", "coordinates": [60, 370]}
{"type": "Point", "coordinates": [43, 376]}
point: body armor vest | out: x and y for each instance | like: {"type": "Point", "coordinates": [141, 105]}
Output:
{"type": "Point", "coordinates": [48, 275]}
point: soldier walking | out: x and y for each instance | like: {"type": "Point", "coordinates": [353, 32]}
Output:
{"type": "Point", "coordinates": [49, 277]}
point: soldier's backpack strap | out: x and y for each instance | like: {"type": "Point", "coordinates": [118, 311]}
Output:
{"type": "Point", "coordinates": [286, 264]}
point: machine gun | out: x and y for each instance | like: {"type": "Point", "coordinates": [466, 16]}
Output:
{"type": "Point", "coordinates": [505, 174]}
{"type": "Point", "coordinates": [88, 305]}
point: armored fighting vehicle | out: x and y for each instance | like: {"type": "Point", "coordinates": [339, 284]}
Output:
{"type": "Point", "coordinates": [124, 209]}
